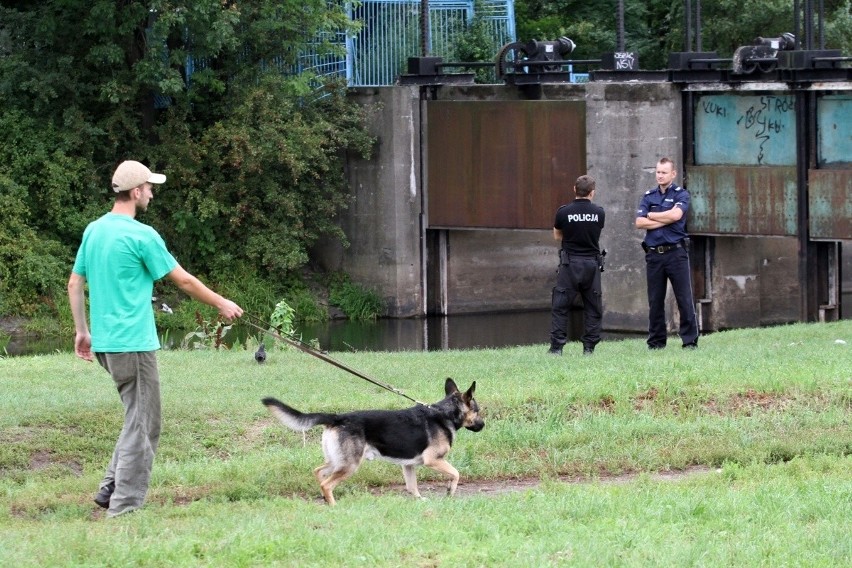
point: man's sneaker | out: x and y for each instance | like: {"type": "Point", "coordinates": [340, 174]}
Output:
{"type": "Point", "coordinates": [588, 350]}
{"type": "Point", "coordinates": [693, 345]}
{"type": "Point", "coordinates": [103, 496]}
{"type": "Point", "coordinates": [555, 352]}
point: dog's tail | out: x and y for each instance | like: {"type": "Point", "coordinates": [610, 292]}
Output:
{"type": "Point", "coordinates": [294, 419]}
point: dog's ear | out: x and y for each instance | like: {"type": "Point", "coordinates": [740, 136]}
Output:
{"type": "Point", "coordinates": [468, 396]}
{"type": "Point", "coordinates": [450, 386]}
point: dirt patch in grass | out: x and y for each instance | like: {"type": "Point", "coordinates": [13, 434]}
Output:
{"type": "Point", "coordinates": [749, 402]}
{"type": "Point", "coordinates": [45, 459]}
{"type": "Point", "coordinates": [500, 486]}
{"type": "Point", "coordinates": [738, 404]}
{"type": "Point", "coordinates": [20, 434]}
{"type": "Point", "coordinates": [257, 430]}
{"type": "Point", "coordinates": [181, 496]}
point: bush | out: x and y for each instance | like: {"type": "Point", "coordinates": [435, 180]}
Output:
{"type": "Point", "coordinates": [307, 308]}
{"type": "Point", "coordinates": [33, 270]}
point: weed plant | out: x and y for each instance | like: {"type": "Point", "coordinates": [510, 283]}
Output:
{"type": "Point", "coordinates": [736, 454]}
{"type": "Point", "coordinates": [306, 307]}
{"type": "Point", "coordinates": [356, 301]}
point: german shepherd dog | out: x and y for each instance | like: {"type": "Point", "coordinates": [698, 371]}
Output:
{"type": "Point", "coordinates": [420, 435]}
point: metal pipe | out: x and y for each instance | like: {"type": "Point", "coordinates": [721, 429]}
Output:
{"type": "Point", "coordinates": [469, 64]}
{"type": "Point", "coordinates": [711, 60]}
{"type": "Point", "coordinates": [698, 46]}
{"type": "Point", "coordinates": [522, 64]}
{"type": "Point", "coordinates": [619, 38]}
{"type": "Point", "coordinates": [687, 31]}
{"type": "Point", "coordinates": [809, 24]}
{"type": "Point", "coordinates": [425, 29]}
{"type": "Point", "coordinates": [797, 23]}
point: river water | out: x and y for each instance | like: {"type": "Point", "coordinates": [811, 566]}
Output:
{"type": "Point", "coordinates": [475, 331]}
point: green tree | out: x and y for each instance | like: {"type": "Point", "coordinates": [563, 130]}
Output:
{"type": "Point", "coordinates": [724, 34]}
{"type": "Point", "coordinates": [212, 93]}
{"type": "Point", "coordinates": [592, 26]}
{"type": "Point", "coordinates": [838, 26]}
{"type": "Point", "coordinates": [476, 43]}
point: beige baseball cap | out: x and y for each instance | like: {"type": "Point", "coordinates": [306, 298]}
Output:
{"type": "Point", "coordinates": [132, 174]}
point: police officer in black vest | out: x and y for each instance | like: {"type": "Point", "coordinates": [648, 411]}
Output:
{"type": "Point", "coordinates": [578, 226]}
{"type": "Point", "coordinates": [662, 213]}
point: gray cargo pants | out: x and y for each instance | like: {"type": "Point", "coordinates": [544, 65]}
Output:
{"type": "Point", "coordinates": [138, 382]}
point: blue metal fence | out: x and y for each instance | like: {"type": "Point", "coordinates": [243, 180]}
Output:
{"type": "Point", "coordinates": [390, 33]}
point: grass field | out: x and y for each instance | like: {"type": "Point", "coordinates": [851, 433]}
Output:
{"type": "Point", "coordinates": [753, 432]}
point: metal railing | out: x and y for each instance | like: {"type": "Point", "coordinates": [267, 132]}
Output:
{"type": "Point", "coordinates": [378, 53]}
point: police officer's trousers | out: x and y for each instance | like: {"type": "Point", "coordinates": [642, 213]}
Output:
{"type": "Point", "coordinates": [671, 266]}
{"type": "Point", "coordinates": [577, 275]}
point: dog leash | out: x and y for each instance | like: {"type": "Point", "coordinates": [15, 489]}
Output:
{"type": "Point", "coordinates": [256, 322]}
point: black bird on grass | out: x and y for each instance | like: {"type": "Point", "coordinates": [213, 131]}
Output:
{"type": "Point", "coordinates": [260, 354]}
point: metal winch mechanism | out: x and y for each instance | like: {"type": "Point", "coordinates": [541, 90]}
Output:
{"type": "Point", "coordinates": [530, 59]}
{"type": "Point", "coordinates": [762, 55]}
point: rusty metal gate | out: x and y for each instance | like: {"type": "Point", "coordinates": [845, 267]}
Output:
{"type": "Point", "coordinates": [502, 164]}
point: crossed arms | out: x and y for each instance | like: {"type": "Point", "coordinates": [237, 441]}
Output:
{"type": "Point", "coordinates": [657, 219]}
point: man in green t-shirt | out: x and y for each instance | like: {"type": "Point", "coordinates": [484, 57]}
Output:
{"type": "Point", "coordinates": [120, 259]}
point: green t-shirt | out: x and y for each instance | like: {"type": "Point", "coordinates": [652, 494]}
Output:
{"type": "Point", "coordinates": [121, 258]}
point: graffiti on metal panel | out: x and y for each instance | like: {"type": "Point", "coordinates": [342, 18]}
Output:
{"type": "Point", "coordinates": [761, 119]}
{"type": "Point", "coordinates": [711, 107]}
{"type": "Point", "coordinates": [624, 60]}
{"type": "Point", "coordinates": [745, 130]}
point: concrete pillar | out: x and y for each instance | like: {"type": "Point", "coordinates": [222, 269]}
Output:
{"type": "Point", "coordinates": [629, 128]}
{"type": "Point", "coordinates": [382, 222]}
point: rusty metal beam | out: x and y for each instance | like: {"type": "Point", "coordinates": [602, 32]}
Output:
{"type": "Point", "coordinates": [743, 200]}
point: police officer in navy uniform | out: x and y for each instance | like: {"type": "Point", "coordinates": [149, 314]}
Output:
{"type": "Point", "coordinates": [662, 213]}
{"type": "Point", "coordinates": [578, 226]}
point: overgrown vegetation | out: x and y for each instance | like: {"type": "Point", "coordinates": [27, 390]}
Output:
{"type": "Point", "coordinates": [753, 432]}
{"type": "Point", "coordinates": [476, 43]}
{"type": "Point", "coordinates": [205, 92]}
{"type": "Point", "coordinates": [357, 302]}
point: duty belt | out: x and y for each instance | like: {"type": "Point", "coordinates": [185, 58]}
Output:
{"type": "Point", "coordinates": [664, 248]}
{"type": "Point", "coordinates": [565, 257]}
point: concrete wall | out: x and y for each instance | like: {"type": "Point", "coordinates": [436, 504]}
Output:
{"type": "Point", "coordinates": [628, 127]}
{"type": "Point", "coordinates": [494, 271]}
{"type": "Point", "coordinates": [511, 270]}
